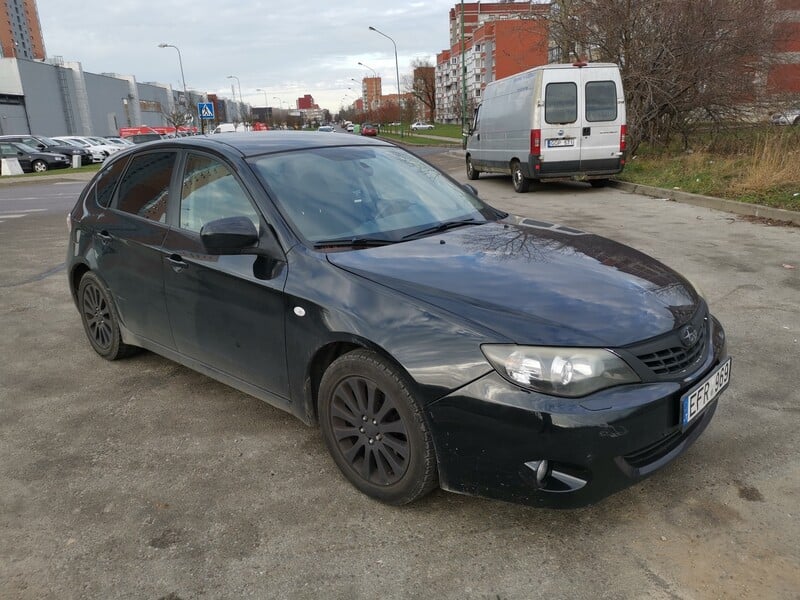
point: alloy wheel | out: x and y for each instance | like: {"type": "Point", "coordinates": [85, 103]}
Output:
{"type": "Point", "coordinates": [97, 314]}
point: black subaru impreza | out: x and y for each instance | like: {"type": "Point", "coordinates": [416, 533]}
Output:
{"type": "Point", "coordinates": [433, 338]}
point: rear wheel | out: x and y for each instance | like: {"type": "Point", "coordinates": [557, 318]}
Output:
{"type": "Point", "coordinates": [39, 166]}
{"type": "Point", "coordinates": [374, 429]}
{"type": "Point", "coordinates": [472, 172]}
{"type": "Point", "coordinates": [100, 319]}
{"type": "Point", "coordinates": [521, 183]}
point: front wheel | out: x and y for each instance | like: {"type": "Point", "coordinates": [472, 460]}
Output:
{"type": "Point", "coordinates": [374, 429]}
{"type": "Point", "coordinates": [472, 172]}
{"type": "Point", "coordinates": [521, 183]}
{"type": "Point", "coordinates": [39, 166]}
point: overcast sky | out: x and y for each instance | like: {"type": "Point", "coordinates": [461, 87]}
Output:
{"type": "Point", "coordinates": [286, 48]}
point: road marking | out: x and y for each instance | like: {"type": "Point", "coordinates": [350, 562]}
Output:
{"type": "Point", "coordinates": [13, 216]}
{"type": "Point", "coordinates": [29, 210]}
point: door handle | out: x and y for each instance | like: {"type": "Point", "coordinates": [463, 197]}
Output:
{"type": "Point", "coordinates": [177, 263]}
{"type": "Point", "coordinates": [479, 137]}
{"type": "Point", "coordinates": [104, 236]}
{"type": "Point", "coordinates": [587, 131]}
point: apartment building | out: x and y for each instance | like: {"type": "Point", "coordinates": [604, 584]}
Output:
{"type": "Point", "coordinates": [20, 30]}
{"type": "Point", "coordinates": [496, 44]}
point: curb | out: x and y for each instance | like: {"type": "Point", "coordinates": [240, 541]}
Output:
{"type": "Point", "coordinates": [732, 206]}
{"type": "Point", "coordinates": [77, 178]}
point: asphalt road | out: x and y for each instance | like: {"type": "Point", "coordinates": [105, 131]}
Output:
{"type": "Point", "coordinates": [142, 479]}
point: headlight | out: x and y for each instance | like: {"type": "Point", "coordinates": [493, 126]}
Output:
{"type": "Point", "coordinates": [569, 372]}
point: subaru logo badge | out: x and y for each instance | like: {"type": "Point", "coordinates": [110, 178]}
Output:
{"type": "Point", "coordinates": [689, 336]}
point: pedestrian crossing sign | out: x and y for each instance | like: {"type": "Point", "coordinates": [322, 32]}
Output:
{"type": "Point", "coordinates": [205, 110]}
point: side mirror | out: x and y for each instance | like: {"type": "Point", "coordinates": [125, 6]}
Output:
{"type": "Point", "coordinates": [230, 235]}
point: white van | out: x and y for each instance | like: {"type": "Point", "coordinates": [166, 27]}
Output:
{"type": "Point", "coordinates": [230, 128]}
{"type": "Point", "coordinates": [551, 122]}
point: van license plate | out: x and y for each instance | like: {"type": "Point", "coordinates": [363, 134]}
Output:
{"type": "Point", "coordinates": [704, 393]}
{"type": "Point", "coordinates": [560, 142]}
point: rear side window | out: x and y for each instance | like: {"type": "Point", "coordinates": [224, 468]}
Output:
{"type": "Point", "coordinates": [561, 103]}
{"type": "Point", "coordinates": [144, 188]}
{"type": "Point", "coordinates": [601, 101]}
{"type": "Point", "coordinates": [107, 183]}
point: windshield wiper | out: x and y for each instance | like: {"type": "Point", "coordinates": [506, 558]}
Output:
{"type": "Point", "coordinates": [444, 226]}
{"type": "Point", "coordinates": [354, 242]}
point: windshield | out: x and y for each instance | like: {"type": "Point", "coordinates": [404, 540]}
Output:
{"type": "Point", "coordinates": [357, 192]}
{"type": "Point", "coordinates": [49, 142]}
{"type": "Point", "coordinates": [26, 148]}
{"type": "Point", "coordinates": [76, 142]}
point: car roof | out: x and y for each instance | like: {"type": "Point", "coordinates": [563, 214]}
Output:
{"type": "Point", "coordinates": [254, 143]}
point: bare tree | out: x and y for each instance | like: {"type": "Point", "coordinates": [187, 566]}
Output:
{"type": "Point", "coordinates": [422, 86]}
{"type": "Point", "coordinates": [177, 117]}
{"type": "Point", "coordinates": [682, 61]}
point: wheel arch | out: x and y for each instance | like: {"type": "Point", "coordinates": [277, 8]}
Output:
{"type": "Point", "coordinates": [76, 274]}
{"type": "Point", "coordinates": [324, 357]}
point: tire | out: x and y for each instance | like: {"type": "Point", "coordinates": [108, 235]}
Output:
{"type": "Point", "coordinates": [374, 429]}
{"type": "Point", "coordinates": [100, 321]}
{"type": "Point", "coordinates": [521, 183]}
{"type": "Point", "coordinates": [39, 166]}
{"type": "Point", "coordinates": [472, 172]}
{"type": "Point", "coordinates": [598, 183]}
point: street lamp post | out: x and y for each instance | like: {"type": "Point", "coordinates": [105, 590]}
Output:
{"type": "Point", "coordinates": [397, 71]}
{"type": "Point", "coordinates": [368, 67]}
{"type": "Point", "coordinates": [241, 101]}
{"type": "Point", "coordinates": [180, 62]}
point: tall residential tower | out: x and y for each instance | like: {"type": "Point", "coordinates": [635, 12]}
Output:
{"type": "Point", "coordinates": [20, 30]}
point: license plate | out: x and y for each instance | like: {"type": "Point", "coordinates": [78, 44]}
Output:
{"type": "Point", "coordinates": [560, 142]}
{"type": "Point", "coordinates": [704, 393]}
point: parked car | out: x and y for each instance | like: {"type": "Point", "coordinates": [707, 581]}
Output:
{"type": "Point", "coordinates": [789, 116]}
{"type": "Point", "coordinates": [31, 160]}
{"type": "Point", "coordinates": [141, 138]}
{"type": "Point", "coordinates": [432, 337]}
{"type": "Point", "coordinates": [326, 129]}
{"type": "Point", "coordinates": [101, 143]}
{"type": "Point", "coordinates": [350, 127]}
{"type": "Point", "coordinates": [119, 141]}
{"type": "Point", "coordinates": [98, 154]}
{"type": "Point", "coordinates": [369, 129]}
{"type": "Point", "coordinates": [419, 125]}
{"type": "Point", "coordinates": [46, 144]}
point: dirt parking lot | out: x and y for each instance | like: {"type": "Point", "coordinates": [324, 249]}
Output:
{"type": "Point", "coordinates": [142, 479]}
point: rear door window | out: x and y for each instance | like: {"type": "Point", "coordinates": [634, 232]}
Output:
{"type": "Point", "coordinates": [561, 103]}
{"type": "Point", "coordinates": [144, 188]}
{"type": "Point", "coordinates": [601, 101]}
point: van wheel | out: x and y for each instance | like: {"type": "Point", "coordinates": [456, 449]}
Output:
{"type": "Point", "coordinates": [521, 183]}
{"type": "Point", "coordinates": [598, 183]}
{"type": "Point", "coordinates": [472, 172]}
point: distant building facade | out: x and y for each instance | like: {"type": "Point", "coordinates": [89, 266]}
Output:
{"type": "Point", "coordinates": [20, 30]}
{"type": "Point", "coordinates": [784, 77]}
{"type": "Point", "coordinates": [306, 102]}
{"type": "Point", "coordinates": [500, 39]}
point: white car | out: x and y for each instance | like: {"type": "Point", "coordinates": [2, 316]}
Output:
{"type": "Point", "coordinates": [419, 125]}
{"type": "Point", "coordinates": [326, 129]}
{"type": "Point", "coordinates": [98, 153]}
{"type": "Point", "coordinates": [786, 117]}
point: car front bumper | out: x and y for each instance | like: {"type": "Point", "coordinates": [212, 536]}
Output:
{"type": "Point", "coordinates": [491, 437]}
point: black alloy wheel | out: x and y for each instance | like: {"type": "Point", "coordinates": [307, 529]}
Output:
{"type": "Point", "coordinates": [374, 429]}
{"type": "Point", "coordinates": [521, 183]}
{"type": "Point", "coordinates": [39, 166]}
{"type": "Point", "coordinates": [100, 319]}
{"type": "Point", "coordinates": [472, 173]}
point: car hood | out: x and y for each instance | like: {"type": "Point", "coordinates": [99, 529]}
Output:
{"type": "Point", "coordinates": [534, 283]}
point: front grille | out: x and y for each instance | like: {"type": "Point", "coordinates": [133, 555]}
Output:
{"type": "Point", "coordinates": [676, 358]}
{"type": "Point", "coordinates": [650, 454]}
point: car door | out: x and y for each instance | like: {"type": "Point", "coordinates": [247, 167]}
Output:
{"type": "Point", "coordinates": [10, 150]}
{"type": "Point", "coordinates": [129, 238]}
{"type": "Point", "coordinates": [561, 122]}
{"type": "Point", "coordinates": [227, 311]}
{"type": "Point", "coordinates": [602, 119]}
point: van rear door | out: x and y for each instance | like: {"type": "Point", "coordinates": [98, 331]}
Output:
{"type": "Point", "coordinates": [560, 121]}
{"type": "Point", "coordinates": [602, 118]}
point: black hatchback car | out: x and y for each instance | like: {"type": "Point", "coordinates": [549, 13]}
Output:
{"type": "Point", "coordinates": [434, 339]}
{"type": "Point", "coordinates": [45, 144]}
{"type": "Point", "coordinates": [31, 160]}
